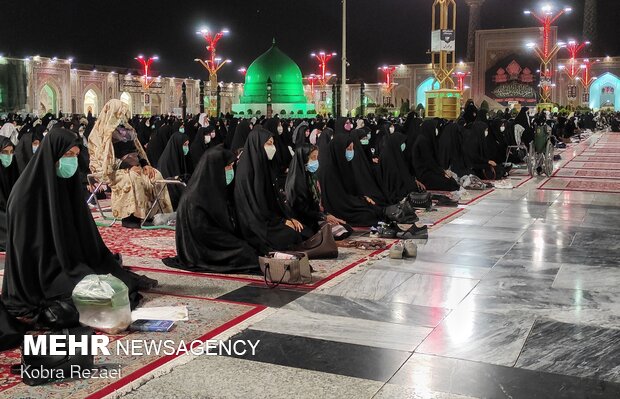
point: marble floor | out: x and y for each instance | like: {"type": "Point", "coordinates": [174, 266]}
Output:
{"type": "Point", "coordinates": [519, 297]}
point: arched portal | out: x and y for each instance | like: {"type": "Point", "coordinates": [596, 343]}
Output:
{"type": "Point", "coordinates": [605, 92]}
{"type": "Point", "coordinates": [420, 95]}
{"type": "Point", "coordinates": [48, 100]}
{"type": "Point", "coordinates": [91, 103]}
{"type": "Point", "coordinates": [126, 98]}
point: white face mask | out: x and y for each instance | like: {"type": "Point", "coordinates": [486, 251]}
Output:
{"type": "Point", "coordinates": [486, 133]}
{"type": "Point", "coordinates": [207, 139]}
{"type": "Point", "coordinates": [280, 129]}
{"type": "Point", "coordinates": [271, 151]}
{"type": "Point", "coordinates": [501, 129]}
{"type": "Point", "coordinates": [391, 129]}
{"type": "Point", "coordinates": [436, 132]}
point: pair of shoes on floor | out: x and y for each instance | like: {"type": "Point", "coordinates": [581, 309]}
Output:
{"type": "Point", "coordinates": [406, 248]}
{"type": "Point", "coordinates": [414, 233]}
{"type": "Point", "coordinates": [383, 230]}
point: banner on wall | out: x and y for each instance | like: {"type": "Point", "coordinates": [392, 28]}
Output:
{"type": "Point", "coordinates": [513, 79]}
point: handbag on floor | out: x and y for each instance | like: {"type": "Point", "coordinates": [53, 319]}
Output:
{"type": "Point", "coordinates": [421, 200]}
{"type": "Point", "coordinates": [321, 245]}
{"type": "Point", "coordinates": [285, 268]}
{"type": "Point", "coordinates": [48, 367]}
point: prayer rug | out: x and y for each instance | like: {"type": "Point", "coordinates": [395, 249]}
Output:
{"type": "Point", "coordinates": [137, 242]}
{"type": "Point", "coordinates": [207, 319]}
{"type": "Point", "coordinates": [575, 184]}
{"type": "Point", "coordinates": [589, 173]}
{"type": "Point", "coordinates": [324, 269]}
{"type": "Point", "coordinates": [594, 158]}
{"type": "Point", "coordinates": [593, 165]}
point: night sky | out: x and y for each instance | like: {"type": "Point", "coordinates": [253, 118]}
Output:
{"type": "Point", "coordinates": [380, 31]}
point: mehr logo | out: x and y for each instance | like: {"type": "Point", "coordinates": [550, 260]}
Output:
{"type": "Point", "coordinates": [59, 345]}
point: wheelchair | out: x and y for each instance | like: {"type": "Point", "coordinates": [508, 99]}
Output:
{"type": "Point", "coordinates": [540, 154]}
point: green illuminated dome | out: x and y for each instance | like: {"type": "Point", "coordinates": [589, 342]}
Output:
{"type": "Point", "coordinates": [285, 75]}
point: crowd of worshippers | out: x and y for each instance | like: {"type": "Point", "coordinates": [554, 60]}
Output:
{"type": "Point", "coordinates": [254, 185]}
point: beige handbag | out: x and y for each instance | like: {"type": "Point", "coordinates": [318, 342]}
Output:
{"type": "Point", "coordinates": [285, 271]}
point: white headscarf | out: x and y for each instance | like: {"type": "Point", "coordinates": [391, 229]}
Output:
{"type": "Point", "coordinates": [203, 120]}
{"type": "Point", "coordinates": [9, 131]}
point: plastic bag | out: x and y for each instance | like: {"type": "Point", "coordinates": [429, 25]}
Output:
{"type": "Point", "coordinates": [103, 303]}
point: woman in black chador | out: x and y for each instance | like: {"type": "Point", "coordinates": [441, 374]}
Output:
{"type": "Point", "coordinates": [264, 219]}
{"type": "Point", "coordinates": [206, 235]}
{"type": "Point", "coordinates": [426, 161]}
{"type": "Point", "coordinates": [8, 177]}
{"type": "Point", "coordinates": [302, 188]}
{"type": "Point", "coordinates": [476, 158]}
{"type": "Point", "coordinates": [397, 180]}
{"type": "Point", "coordinates": [27, 146]}
{"type": "Point", "coordinates": [52, 240]}
{"type": "Point", "coordinates": [175, 162]}
{"type": "Point", "coordinates": [341, 196]}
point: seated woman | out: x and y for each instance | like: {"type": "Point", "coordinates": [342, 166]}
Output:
{"type": "Point", "coordinates": [263, 216]}
{"type": "Point", "coordinates": [52, 241]}
{"type": "Point", "coordinates": [302, 189]}
{"type": "Point", "coordinates": [206, 235]}
{"type": "Point", "coordinates": [397, 180]}
{"type": "Point", "coordinates": [27, 146]}
{"type": "Point", "coordinates": [116, 155]}
{"type": "Point", "coordinates": [476, 156]}
{"type": "Point", "coordinates": [426, 163]}
{"type": "Point", "coordinates": [341, 196]}
{"type": "Point", "coordinates": [201, 143]}
{"type": "Point", "coordinates": [8, 177]}
{"type": "Point", "coordinates": [174, 162]}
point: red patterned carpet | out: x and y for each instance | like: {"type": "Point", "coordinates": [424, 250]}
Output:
{"type": "Point", "coordinates": [208, 318]}
{"type": "Point", "coordinates": [576, 184]}
{"type": "Point", "coordinates": [590, 173]}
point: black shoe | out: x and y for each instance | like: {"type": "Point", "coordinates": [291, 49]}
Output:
{"type": "Point", "coordinates": [401, 213]}
{"type": "Point", "coordinates": [131, 222]}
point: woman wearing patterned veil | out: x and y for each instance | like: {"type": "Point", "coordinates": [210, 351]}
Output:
{"type": "Point", "coordinates": [117, 156]}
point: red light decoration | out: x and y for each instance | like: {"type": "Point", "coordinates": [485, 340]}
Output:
{"type": "Point", "coordinates": [146, 65]}
{"type": "Point", "coordinates": [460, 79]}
{"type": "Point", "coordinates": [573, 68]}
{"type": "Point", "coordinates": [323, 59]}
{"type": "Point", "coordinates": [586, 74]}
{"type": "Point", "coordinates": [213, 63]}
{"type": "Point", "coordinates": [548, 50]}
{"type": "Point", "coordinates": [388, 71]}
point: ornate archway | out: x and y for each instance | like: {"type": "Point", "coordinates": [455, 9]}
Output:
{"type": "Point", "coordinates": [605, 92]}
{"type": "Point", "coordinates": [91, 103]}
{"type": "Point", "coordinates": [420, 94]}
{"type": "Point", "coordinates": [48, 100]}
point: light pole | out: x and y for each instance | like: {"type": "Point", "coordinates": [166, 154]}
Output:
{"type": "Point", "coordinates": [586, 78]}
{"type": "Point", "coordinates": [213, 63]}
{"type": "Point", "coordinates": [343, 86]}
{"type": "Point", "coordinates": [146, 84]}
{"type": "Point", "coordinates": [573, 69]}
{"type": "Point", "coordinates": [323, 59]}
{"type": "Point", "coordinates": [548, 51]}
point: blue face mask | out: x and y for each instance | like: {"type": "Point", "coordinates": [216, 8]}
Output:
{"type": "Point", "coordinates": [6, 159]}
{"type": "Point", "coordinates": [67, 166]}
{"type": "Point", "coordinates": [35, 148]}
{"type": "Point", "coordinates": [230, 175]}
{"type": "Point", "coordinates": [312, 166]}
{"type": "Point", "coordinates": [185, 149]}
{"type": "Point", "coordinates": [349, 155]}
{"type": "Point", "coordinates": [181, 130]}
{"type": "Point", "coordinates": [403, 146]}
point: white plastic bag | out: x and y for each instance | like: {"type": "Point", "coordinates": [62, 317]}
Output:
{"type": "Point", "coordinates": [103, 303]}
